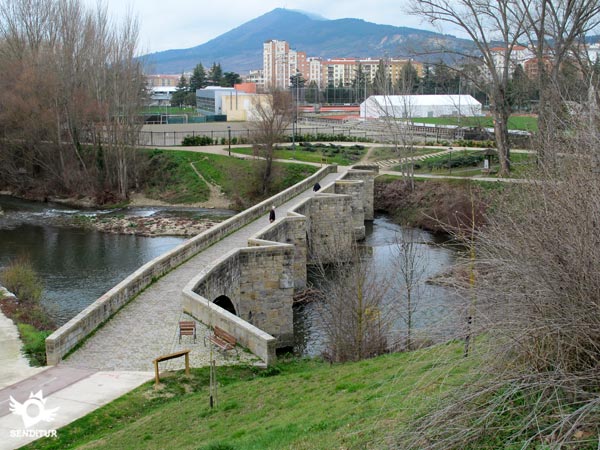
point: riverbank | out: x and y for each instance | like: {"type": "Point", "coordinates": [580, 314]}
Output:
{"type": "Point", "coordinates": [298, 403]}
{"type": "Point", "coordinates": [451, 207]}
{"type": "Point", "coordinates": [28, 316]}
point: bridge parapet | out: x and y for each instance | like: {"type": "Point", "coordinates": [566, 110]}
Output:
{"type": "Point", "coordinates": [320, 228]}
{"type": "Point", "coordinates": [68, 336]}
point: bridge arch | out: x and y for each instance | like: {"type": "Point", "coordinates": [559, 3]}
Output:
{"type": "Point", "coordinates": [225, 302]}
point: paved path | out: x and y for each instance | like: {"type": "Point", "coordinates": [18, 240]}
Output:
{"type": "Point", "coordinates": [75, 392]}
{"type": "Point", "coordinates": [13, 365]}
{"type": "Point", "coordinates": [147, 326]}
{"type": "Point", "coordinates": [450, 177]}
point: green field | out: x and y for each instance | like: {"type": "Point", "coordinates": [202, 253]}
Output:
{"type": "Point", "coordinates": [300, 404]}
{"type": "Point", "coordinates": [169, 110]}
{"type": "Point", "coordinates": [524, 123]}
{"type": "Point", "coordinates": [174, 180]}
{"type": "Point", "coordinates": [342, 155]}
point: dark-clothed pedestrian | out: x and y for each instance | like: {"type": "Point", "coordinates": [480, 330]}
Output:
{"type": "Point", "coordinates": [316, 187]}
{"type": "Point", "coordinates": [272, 214]}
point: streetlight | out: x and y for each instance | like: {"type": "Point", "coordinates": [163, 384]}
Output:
{"type": "Point", "coordinates": [450, 163]}
{"type": "Point", "coordinates": [295, 118]}
{"type": "Point", "coordinates": [229, 138]}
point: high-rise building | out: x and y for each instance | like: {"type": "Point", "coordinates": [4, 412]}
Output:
{"type": "Point", "coordinates": [280, 63]}
{"type": "Point", "coordinates": [276, 64]}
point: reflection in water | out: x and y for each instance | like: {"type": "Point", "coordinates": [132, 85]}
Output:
{"type": "Point", "coordinates": [435, 317]}
{"type": "Point", "coordinates": [77, 266]}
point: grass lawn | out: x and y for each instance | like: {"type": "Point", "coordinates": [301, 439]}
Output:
{"type": "Point", "coordinates": [343, 156]}
{"type": "Point", "coordinates": [174, 179]}
{"type": "Point", "coordinates": [299, 404]}
{"type": "Point", "coordinates": [525, 123]}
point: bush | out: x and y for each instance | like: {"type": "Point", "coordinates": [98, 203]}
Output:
{"type": "Point", "coordinates": [34, 343]}
{"type": "Point", "coordinates": [20, 278]}
{"type": "Point", "coordinates": [328, 137]}
{"type": "Point", "coordinates": [452, 161]}
{"type": "Point", "coordinates": [191, 141]}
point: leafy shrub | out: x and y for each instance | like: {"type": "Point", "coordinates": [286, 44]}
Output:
{"type": "Point", "coordinates": [20, 278]}
{"type": "Point", "coordinates": [190, 141]}
{"type": "Point", "coordinates": [473, 143]}
{"type": "Point", "coordinates": [328, 138]}
{"type": "Point", "coordinates": [452, 161]}
{"type": "Point", "coordinates": [34, 343]}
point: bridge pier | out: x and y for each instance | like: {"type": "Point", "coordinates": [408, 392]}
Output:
{"type": "Point", "coordinates": [261, 278]}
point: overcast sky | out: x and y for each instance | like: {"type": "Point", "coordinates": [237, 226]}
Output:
{"type": "Point", "coordinates": [180, 24]}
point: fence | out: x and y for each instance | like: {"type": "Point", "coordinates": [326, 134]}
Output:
{"type": "Point", "coordinates": [351, 130]}
{"type": "Point", "coordinates": [174, 138]}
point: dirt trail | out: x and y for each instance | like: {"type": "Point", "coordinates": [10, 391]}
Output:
{"type": "Point", "coordinates": [216, 198]}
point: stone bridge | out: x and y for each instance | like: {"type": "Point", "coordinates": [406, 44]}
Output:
{"type": "Point", "coordinates": [240, 275]}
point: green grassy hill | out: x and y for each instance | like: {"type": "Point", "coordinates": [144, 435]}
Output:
{"type": "Point", "coordinates": [171, 177]}
{"type": "Point", "coordinates": [298, 404]}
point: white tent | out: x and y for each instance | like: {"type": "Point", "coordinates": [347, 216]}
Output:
{"type": "Point", "coordinates": [404, 106]}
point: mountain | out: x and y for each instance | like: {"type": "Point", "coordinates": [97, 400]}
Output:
{"type": "Point", "coordinates": [240, 49]}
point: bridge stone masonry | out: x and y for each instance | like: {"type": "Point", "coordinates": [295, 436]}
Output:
{"type": "Point", "coordinates": [240, 275]}
{"type": "Point", "coordinates": [260, 280]}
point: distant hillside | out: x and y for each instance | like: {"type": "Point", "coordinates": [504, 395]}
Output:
{"type": "Point", "coordinates": [240, 49]}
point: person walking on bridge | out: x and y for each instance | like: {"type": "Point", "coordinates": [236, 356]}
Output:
{"type": "Point", "coordinates": [272, 214]}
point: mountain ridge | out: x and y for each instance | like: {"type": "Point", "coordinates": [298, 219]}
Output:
{"type": "Point", "coordinates": [240, 49]}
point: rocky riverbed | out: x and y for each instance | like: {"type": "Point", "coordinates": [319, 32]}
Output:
{"type": "Point", "coordinates": [156, 225]}
{"type": "Point", "coordinates": [142, 217]}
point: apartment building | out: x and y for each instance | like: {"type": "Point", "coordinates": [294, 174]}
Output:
{"type": "Point", "coordinates": [519, 55]}
{"type": "Point", "coordinates": [280, 62]}
{"type": "Point", "coordinates": [343, 71]}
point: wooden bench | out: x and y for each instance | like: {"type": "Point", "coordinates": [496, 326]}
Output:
{"type": "Point", "coordinates": [223, 339]}
{"type": "Point", "coordinates": [187, 328]}
{"type": "Point", "coordinates": [185, 353]}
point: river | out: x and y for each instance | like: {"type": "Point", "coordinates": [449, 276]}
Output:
{"type": "Point", "coordinates": [79, 265]}
{"type": "Point", "coordinates": [436, 314]}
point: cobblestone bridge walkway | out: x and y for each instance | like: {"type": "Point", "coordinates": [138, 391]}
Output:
{"type": "Point", "coordinates": [147, 326]}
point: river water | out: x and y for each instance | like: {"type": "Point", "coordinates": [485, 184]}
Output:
{"type": "Point", "coordinates": [78, 265]}
{"type": "Point", "coordinates": [436, 315]}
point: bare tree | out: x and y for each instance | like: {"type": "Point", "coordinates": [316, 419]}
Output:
{"type": "Point", "coordinates": [73, 82]}
{"type": "Point", "coordinates": [538, 292]}
{"type": "Point", "coordinates": [487, 23]}
{"type": "Point", "coordinates": [397, 118]}
{"type": "Point", "coordinates": [556, 31]}
{"type": "Point", "coordinates": [354, 313]}
{"type": "Point", "coordinates": [410, 265]}
{"type": "Point", "coordinates": [270, 121]}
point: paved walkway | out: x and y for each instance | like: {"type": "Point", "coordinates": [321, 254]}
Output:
{"type": "Point", "coordinates": [75, 392]}
{"type": "Point", "coordinates": [13, 365]}
{"type": "Point", "coordinates": [148, 326]}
